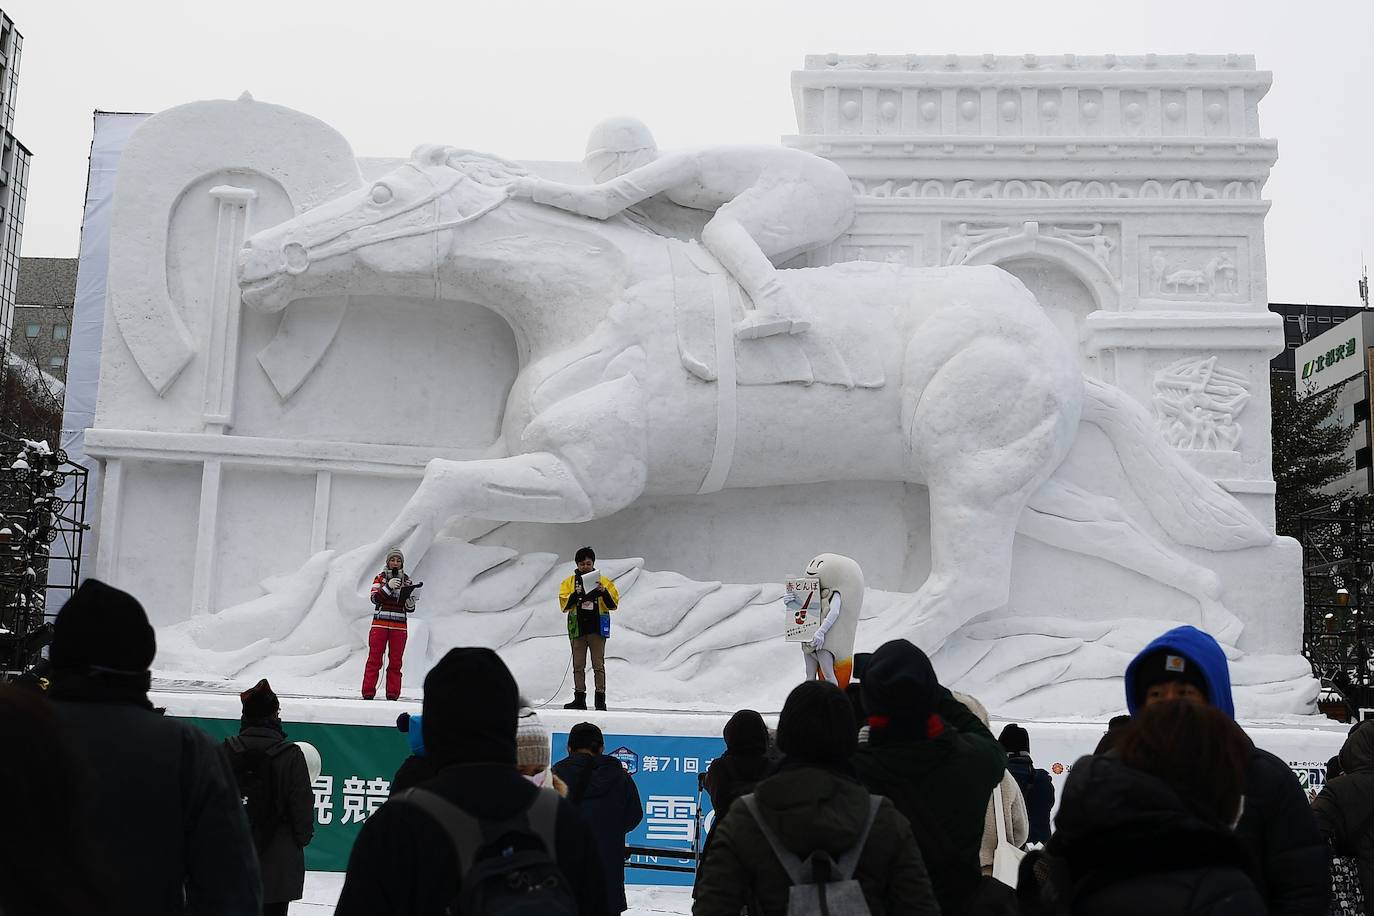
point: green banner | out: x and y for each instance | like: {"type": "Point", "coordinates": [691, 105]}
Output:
{"type": "Point", "coordinates": [358, 762]}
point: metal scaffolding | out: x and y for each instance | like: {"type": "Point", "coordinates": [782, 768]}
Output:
{"type": "Point", "coordinates": [1338, 593]}
{"type": "Point", "coordinates": [41, 537]}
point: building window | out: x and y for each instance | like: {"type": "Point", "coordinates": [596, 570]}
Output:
{"type": "Point", "coordinates": [32, 331]}
{"type": "Point", "coordinates": [56, 362]}
{"type": "Point", "coordinates": [1293, 346]}
{"type": "Point", "coordinates": [1293, 318]}
{"type": "Point", "coordinates": [1322, 319]}
{"type": "Point", "coordinates": [59, 332]}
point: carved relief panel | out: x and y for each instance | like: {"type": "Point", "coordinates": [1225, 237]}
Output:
{"type": "Point", "coordinates": [1196, 403]}
{"type": "Point", "coordinates": [1181, 268]}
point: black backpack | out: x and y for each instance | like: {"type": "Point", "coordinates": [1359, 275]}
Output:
{"type": "Point", "coordinates": [507, 867]}
{"type": "Point", "coordinates": [253, 772]}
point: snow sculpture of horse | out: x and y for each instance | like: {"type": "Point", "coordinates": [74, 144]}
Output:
{"type": "Point", "coordinates": [949, 377]}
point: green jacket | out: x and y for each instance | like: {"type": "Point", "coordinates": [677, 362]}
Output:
{"type": "Point", "coordinates": [810, 808]}
{"type": "Point", "coordinates": [954, 774]}
{"type": "Point", "coordinates": [608, 599]}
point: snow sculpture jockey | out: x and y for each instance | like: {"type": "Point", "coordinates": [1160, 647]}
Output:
{"type": "Point", "coordinates": [770, 204]}
{"type": "Point", "coordinates": [831, 651]}
{"type": "Point", "coordinates": [392, 600]}
{"type": "Point", "coordinates": [587, 598]}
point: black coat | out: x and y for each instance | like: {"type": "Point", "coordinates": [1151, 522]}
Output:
{"type": "Point", "coordinates": [403, 863]}
{"type": "Point", "coordinates": [413, 771]}
{"type": "Point", "coordinates": [946, 779]}
{"type": "Point", "coordinates": [165, 811]}
{"type": "Point", "coordinates": [734, 774]}
{"type": "Point", "coordinates": [1345, 807]}
{"type": "Point", "coordinates": [1038, 791]}
{"type": "Point", "coordinates": [282, 862]}
{"type": "Point", "coordinates": [809, 808]}
{"type": "Point", "coordinates": [611, 808]}
{"type": "Point", "coordinates": [1294, 864]}
{"type": "Point", "coordinates": [1129, 846]}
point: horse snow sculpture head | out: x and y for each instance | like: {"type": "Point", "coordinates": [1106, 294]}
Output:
{"type": "Point", "coordinates": [388, 227]}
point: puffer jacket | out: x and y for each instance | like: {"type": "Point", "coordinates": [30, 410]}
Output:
{"type": "Point", "coordinates": [1293, 865]}
{"type": "Point", "coordinates": [388, 610]}
{"type": "Point", "coordinates": [809, 809]}
{"type": "Point", "coordinates": [1345, 807]}
{"type": "Point", "coordinates": [610, 804]}
{"type": "Point", "coordinates": [1125, 844]}
{"type": "Point", "coordinates": [282, 862]}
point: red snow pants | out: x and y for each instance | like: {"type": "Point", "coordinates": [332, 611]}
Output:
{"type": "Point", "coordinates": [393, 642]}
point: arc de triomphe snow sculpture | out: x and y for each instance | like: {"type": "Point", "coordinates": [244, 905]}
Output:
{"type": "Point", "coordinates": [1124, 193]}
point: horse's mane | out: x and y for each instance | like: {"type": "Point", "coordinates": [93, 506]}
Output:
{"type": "Point", "coordinates": [484, 168]}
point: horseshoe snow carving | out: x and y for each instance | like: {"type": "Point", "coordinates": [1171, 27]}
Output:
{"type": "Point", "coordinates": [157, 167]}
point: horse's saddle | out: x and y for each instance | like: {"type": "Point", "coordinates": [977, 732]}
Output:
{"type": "Point", "coordinates": [705, 295]}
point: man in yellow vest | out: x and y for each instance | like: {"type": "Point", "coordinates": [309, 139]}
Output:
{"type": "Point", "coordinates": [588, 598]}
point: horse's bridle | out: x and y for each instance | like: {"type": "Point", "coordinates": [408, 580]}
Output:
{"type": "Point", "coordinates": [333, 246]}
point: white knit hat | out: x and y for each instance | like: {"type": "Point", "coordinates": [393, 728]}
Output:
{"type": "Point", "coordinates": [533, 744]}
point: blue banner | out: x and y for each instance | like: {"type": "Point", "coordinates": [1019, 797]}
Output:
{"type": "Point", "coordinates": [677, 814]}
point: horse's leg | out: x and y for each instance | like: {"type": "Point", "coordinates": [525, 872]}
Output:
{"type": "Point", "coordinates": [1065, 516]}
{"type": "Point", "coordinates": [988, 430]}
{"type": "Point", "coordinates": [586, 457]}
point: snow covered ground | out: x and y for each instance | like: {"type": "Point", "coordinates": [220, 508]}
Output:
{"type": "Point", "coordinates": [322, 891]}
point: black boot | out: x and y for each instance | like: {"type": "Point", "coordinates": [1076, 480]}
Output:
{"type": "Point", "coordinates": [579, 700]}
{"type": "Point", "coordinates": [601, 700]}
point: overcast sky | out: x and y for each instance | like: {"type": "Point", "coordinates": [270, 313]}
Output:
{"type": "Point", "coordinates": [527, 79]}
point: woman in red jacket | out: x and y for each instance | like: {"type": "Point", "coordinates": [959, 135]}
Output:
{"type": "Point", "coordinates": [391, 602]}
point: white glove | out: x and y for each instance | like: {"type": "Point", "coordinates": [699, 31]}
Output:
{"type": "Point", "coordinates": [410, 604]}
{"type": "Point", "coordinates": [818, 642]}
{"type": "Point", "coordinates": [394, 584]}
{"type": "Point", "coordinates": [791, 601]}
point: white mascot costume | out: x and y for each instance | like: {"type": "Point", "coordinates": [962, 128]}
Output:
{"type": "Point", "coordinates": [831, 651]}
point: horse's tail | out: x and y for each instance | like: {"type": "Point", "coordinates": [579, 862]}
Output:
{"type": "Point", "coordinates": [1189, 506]}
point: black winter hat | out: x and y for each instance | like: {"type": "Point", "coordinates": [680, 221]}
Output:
{"type": "Point", "coordinates": [746, 733]}
{"type": "Point", "coordinates": [259, 702]}
{"type": "Point", "coordinates": [470, 708]}
{"type": "Point", "coordinates": [901, 683]}
{"type": "Point", "coordinates": [103, 628]}
{"type": "Point", "coordinates": [1015, 739]}
{"type": "Point", "coordinates": [585, 736]}
{"type": "Point", "coordinates": [1168, 665]}
{"type": "Point", "coordinates": [817, 724]}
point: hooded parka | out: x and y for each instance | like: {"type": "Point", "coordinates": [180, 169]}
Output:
{"type": "Point", "coordinates": [1130, 846]}
{"type": "Point", "coordinates": [1293, 865]}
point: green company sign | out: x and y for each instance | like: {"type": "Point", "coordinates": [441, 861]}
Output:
{"type": "Point", "coordinates": [1331, 358]}
{"type": "Point", "coordinates": [358, 762]}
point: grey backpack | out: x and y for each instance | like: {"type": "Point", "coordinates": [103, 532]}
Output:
{"type": "Point", "coordinates": [820, 885]}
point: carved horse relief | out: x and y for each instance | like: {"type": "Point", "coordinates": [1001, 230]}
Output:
{"type": "Point", "coordinates": [972, 393]}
